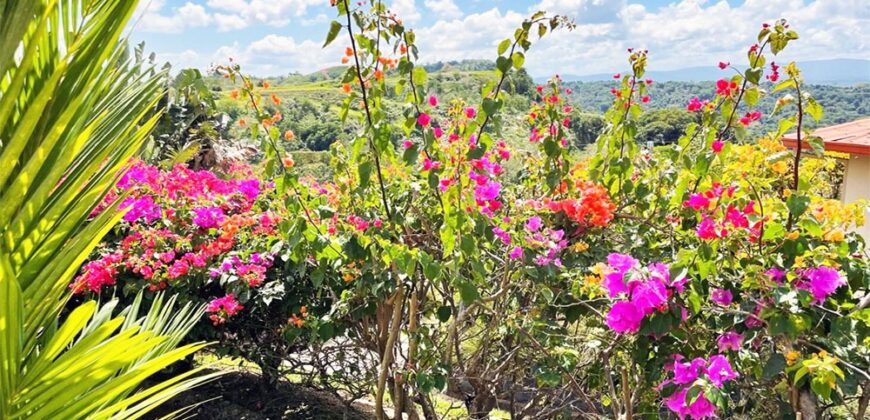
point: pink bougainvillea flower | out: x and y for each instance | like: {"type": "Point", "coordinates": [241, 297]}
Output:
{"type": "Point", "coordinates": [502, 234]}
{"type": "Point", "coordinates": [438, 132]}
{"type": "Point", "coordinates": [407, 144]}
{"type": "Point", "coordinates": [729, 340]}
{"type": "Point", "coordinates": [697, 201]}
{"type": "Point", "coordinates": [516, 253]}
{"type": "Point", "coordinates": [429, 165]}
{"type": "Point", "coordinates": [736, 218]}
{"type": "Point", "coordinates": [616, 76]}
{"type": "Point", "coordinates": [223, 308]}
{"type": "Point", "coordinates": [624, 317]}
{"type": "Point", "coordinates": [424, 119]}
{"type": "Point", "coordinates": [707, 229]}
{"type": "Point", "coordinates": [694, 105]}
{"type": "Point", "coordinates": [717, 146]}
{"type": "Point", "coordinates": [470, 112]}
{"type": "Point", "coordinates": [433, 101]}
{"type": "Point", "coordinates": [724, 65]}
{"type": "Point", "coordinates": [444, 183]}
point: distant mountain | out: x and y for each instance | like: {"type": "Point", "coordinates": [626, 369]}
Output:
{"type": "Point", "coordinates": [841, 71]}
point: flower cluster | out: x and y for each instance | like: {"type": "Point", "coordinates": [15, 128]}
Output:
{"type": "Point", "coordinates": [702, 375]}
{"type": "Point", "coordinates": [592, 208]}
{"type": "Point", "coordinates": [223, 308]}
{"type": "Point", "coordinates": [717, 218]}
{"type": "Point", "coordinates": [638, 292]}
{"type": "Point", "coordinates": [186, 228]}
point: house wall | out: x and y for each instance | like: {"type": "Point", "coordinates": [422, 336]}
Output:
{"type": "Point", "coordinates": [856, 185]}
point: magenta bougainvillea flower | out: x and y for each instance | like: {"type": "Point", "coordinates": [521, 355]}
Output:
{"type": "Point", "coordinates": [729, 340]}
{"type": "Point", "coordinates": [717, 371]}
{"type": "Point", "coordinates": [820, 281]}
{"type": "Point", "coordinates": [721, 297]}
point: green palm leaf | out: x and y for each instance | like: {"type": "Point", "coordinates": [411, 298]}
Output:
{"type": "Point", "coordinates": [72, 114]}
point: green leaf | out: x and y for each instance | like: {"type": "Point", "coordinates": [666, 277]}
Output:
{"type": "Point", "coordinates": [503, 46]}
{"type": "Point", "coordinates": [518, 60]}
{"type": "Point", "coordinates": [813, 108]}
{"type": "Point", "coordinates": [797, 204]}
{"type": "Point", "coordinates": [334, 29]}
{"type": "Point", "coordinates": [468, 292]}
{"type": "Point", "coordinates": [444, 313]}
{"type": "Point", "coordinates": [773, 367]}
{"type": "Point", "coordinates": [753, 75]}
{"type": "Point", "coordinates": [817, 144]}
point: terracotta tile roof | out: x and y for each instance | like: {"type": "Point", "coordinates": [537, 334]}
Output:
{"type": "Point", "coordinates": [852, 137]}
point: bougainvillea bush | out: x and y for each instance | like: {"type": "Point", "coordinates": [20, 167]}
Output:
{"type": "Point", "coordinates": [707, 278]}
{"type": "Point", "coordinates": [214, 238]}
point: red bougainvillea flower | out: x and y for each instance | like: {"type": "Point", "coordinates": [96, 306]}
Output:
{"type": "Point", "coordinates": [750, 117]}
{"type": "Point", "coordinates": [644, 99]}
{"type": "Point", "coordinates": [717, 146]}
{"type": "Point", "coordinates": [694, 105]}
{"type": "Point", "coordinates": [725, 87]}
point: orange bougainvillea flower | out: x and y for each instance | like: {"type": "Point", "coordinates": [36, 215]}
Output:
{"type": "Point", "coordinates": [379, 75]}
{"type": "Point", "coordinates": [403, 49]}
{"type": "Point", "coordinates": [242, 122]}
{"type": "Point", "coordinates": [348, 51]}
{"type": "Point", "coordinates": [288, 162]}
{"type": "Point", "coordinates": [289, 135]}
{"type": "Point", "coordinates": [234, 94]}
{"type": "Point", "coordinates": [276, 100]}
{"type": "Point", "coordinates": [265, 84]}
{"type": "Point", "coordinates": [346, 88]}
{"type": "Point", "coordinates": [344, 60]}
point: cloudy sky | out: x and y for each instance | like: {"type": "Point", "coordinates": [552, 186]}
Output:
{"type": "Point", "coordinates": [275, 37]}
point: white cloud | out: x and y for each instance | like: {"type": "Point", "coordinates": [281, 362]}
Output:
{"type": "Point", "coordinates": [405, 9]}
{"type": "Point", "coordinates": [680, 34]}
{"type": "Point", "coordinates": [227, 23]}
{"type": "Point", "coordinates": [276, 13]}
{"type": "Point", "coordinates": [444, 8]}
{"type": "Point", "coordinates": [463, 38]}
{"type": "Point", "coordinates": [150, 19]}
{"type": "Point", "coordinates": [278, 55]}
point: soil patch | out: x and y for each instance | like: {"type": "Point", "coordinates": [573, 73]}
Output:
{"type": "Point", "coordinates": [239, 395]}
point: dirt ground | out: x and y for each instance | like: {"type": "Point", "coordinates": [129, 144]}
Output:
{"type": "Point", "coordinates": [238, 395]}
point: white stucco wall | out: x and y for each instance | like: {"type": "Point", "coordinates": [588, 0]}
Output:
{"type": "Point", "coordinates": [856, 185]}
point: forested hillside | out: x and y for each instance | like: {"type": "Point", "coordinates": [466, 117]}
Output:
{"type": "Point", "coordinates": [307, 103]}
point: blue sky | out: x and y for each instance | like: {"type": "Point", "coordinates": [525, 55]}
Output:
{"type": "Point", "coordinates": [274, 37]}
